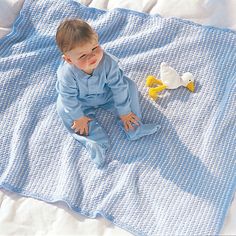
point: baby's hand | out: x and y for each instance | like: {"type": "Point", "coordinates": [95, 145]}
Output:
{"type": "Point", "coordinates": [80, 126]}
{"type": "Point", "coordinates": [129, 120]}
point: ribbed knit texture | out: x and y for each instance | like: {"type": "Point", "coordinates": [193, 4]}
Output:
{"type": "Point", "coordinates": [179, 181]}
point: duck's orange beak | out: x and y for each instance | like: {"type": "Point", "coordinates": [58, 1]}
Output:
{"type": "Point", "coordinates": [190, 86]}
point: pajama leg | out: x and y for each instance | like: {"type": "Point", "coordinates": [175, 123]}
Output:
{"type": "Point", "coordinates": [96, 142]}
{"type": "Point", "coordinates": [143, 129]}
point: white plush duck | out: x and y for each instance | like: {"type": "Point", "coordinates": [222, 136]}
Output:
{"type": "Point", "coordinates": [169, 79]}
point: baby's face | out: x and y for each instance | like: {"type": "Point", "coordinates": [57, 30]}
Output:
{"type": "Point", "coordinates": [86, 57]}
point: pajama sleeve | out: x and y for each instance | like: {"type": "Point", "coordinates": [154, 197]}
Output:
{"type": "Point", "coordinates": [119, 87]}
{"type": "Point", "coordinates": [68, 91]}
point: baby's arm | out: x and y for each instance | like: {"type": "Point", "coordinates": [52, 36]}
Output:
{"type": "Point", "coordinates": [68, 92]}
{"type": "Point", "coordinates": [71, 104]}
{"type": "Point", "coordinates": [120, 90]}
{"type": "Point", "coordinates": [119, 87]}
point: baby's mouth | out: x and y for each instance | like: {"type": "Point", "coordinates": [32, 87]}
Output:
{"type": "Point", "coordinates": [93, 62]}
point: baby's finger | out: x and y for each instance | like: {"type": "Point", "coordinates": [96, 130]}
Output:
{"type": "Point", "coordinates": [82, 132]}
{"type": "Point", "coordinates": [126, 126]}
{"type": "Point", "coordinates": [135, 117]}
{"type": "Point", "coordinates": [86, 131]}
{"type": "Point", "coordinates": [73, 126]}
{"type": "Point", "coordinates": [79, 131]}
{"type": "Point", "coordinates": [134, 121]}
{"type": "Point", "coordinates": [130, 126]}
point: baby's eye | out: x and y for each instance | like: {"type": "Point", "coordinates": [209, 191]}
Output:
{"type": "Point", "coordinates": [94, 48]}
{"type": "Point", "coordinates": [83, 56]}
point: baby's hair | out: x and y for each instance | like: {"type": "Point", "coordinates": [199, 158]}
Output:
{"type": "Point", "coordinates": [72, 33]}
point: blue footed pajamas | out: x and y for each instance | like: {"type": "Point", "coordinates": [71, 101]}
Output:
{"type": "Point", "coordinates": [79, 94]}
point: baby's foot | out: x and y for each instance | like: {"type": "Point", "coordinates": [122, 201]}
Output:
{"type": "Point", "coordinates": [97, 154]}
{"type": "Point", "coordinates": [142, 130]}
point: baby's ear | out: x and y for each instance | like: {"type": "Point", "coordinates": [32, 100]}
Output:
{"type": "Point", "coordinates": [67, 59]}
{"type": "Point", "coordinates": [96, 36]}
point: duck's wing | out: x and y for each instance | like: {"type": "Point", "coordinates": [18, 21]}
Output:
{"type": "Point", "coordinates": [170, 77]}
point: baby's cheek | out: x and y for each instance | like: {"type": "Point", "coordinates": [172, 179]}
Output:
{"type": "Point", "coordinates": [82, 64]}
{"type": "Point", "coordinates": [100, 54]}
{"type": "Point", "coordinates": [101, 51]}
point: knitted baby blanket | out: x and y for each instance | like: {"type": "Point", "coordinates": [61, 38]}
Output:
{"type": "Point", "coordinates": [179, 181]}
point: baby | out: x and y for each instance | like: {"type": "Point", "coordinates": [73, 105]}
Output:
{"type": "Point", "coordinates": [90, 78]}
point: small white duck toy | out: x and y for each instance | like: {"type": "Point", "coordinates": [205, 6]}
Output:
{"type": "Point", "coordinates": [169, 79]}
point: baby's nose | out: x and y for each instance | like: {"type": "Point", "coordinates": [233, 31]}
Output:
{"type": "Point", "coordinates": [91, 55]}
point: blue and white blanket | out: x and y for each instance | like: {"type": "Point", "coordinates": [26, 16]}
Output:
{"type": "Point", "coordinates": [179, 181]}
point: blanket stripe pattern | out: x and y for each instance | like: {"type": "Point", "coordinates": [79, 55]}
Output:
{"type": "Point", "coordinates": [179, 181]}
